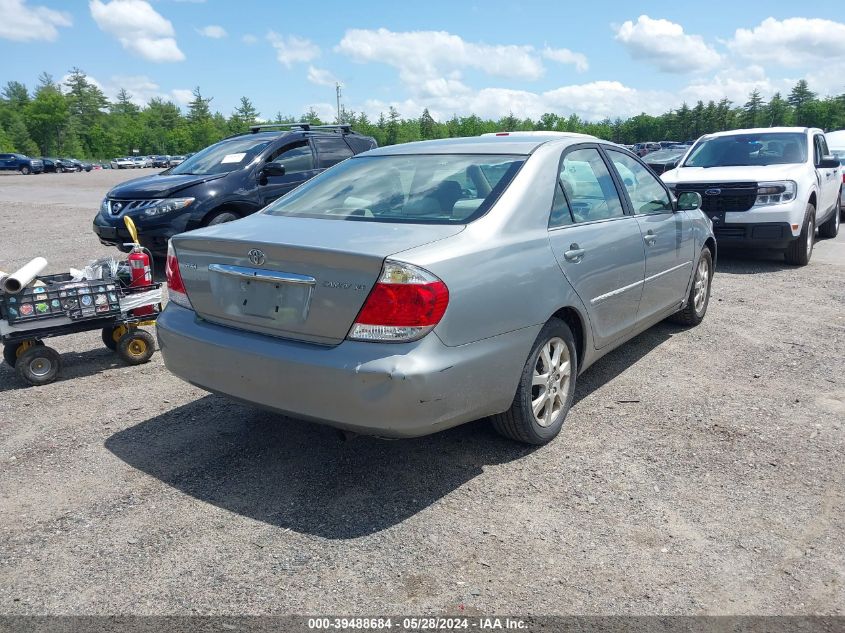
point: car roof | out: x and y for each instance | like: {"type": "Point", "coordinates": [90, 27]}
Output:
{"type": "Point", "coordinates": [763, 130]}
{"type": "Point", "coordinates": [512, 143]}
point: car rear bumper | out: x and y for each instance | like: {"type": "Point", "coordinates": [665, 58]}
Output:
{"type": "Point", "coordinates": [392, 390]}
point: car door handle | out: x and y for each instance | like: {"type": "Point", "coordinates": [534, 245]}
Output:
{"type": "Point", "coordinates": [575, 253]}
{"type": "Point", "coordinates": [650, 238]}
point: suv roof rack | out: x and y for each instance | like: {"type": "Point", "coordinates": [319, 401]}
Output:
{"type": "Point", "coordinates": [343, 128]}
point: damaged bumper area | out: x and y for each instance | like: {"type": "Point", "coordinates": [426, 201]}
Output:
{"type": "Point", "coordinates": [391, 390]}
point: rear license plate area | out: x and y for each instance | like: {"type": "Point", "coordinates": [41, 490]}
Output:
{"type": "Point", "coordinates": [258, 299]}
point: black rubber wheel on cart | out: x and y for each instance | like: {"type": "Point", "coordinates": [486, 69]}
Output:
{"type": "Point", "coordinates": [39, 365]}
{"type": "Point", "coordinates": [112, 334]}
{"type": "Point", "coordinates": [136, 347]}
{"type": "Point", "coordinates": [13, 351]}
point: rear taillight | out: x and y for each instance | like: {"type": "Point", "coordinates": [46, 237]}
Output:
{"type": "Point", "coordinates": [175, 286]}
{"type": "Point", "coordinates": [843, 178]}
{"type": "Point", "coordinates": [404, 305]}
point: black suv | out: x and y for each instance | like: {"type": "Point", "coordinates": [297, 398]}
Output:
{"type": "Point", "coordinates": [224, 182]}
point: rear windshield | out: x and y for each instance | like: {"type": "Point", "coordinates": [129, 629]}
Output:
{"type": "Point", "coordinates": [765, 148]}
{"type": "Point", "coordinates": [221, 157]}
{"type": "Point", "coordinates": [421, 188]}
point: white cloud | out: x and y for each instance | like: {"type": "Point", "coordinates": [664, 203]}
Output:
{"type": "Point", "coordinates": [425, 55]}
{"type": "Point", "coordinates": [321, 76]}
{"type": "Point", "coordinates": [665, 45]}
{"type": "Point", "coordinates": [792, 42]}
{"type": "Point", "coordinates": [566, 56]}
{"type": "Point", "coordinates": [593, 101]}
{"type": "Point", "coordinates": [736, 84]}
{"type": "Point", "coordinates": [213, 31]}
{"type": "Point", "coordinates": [291, 49]}
{"type": "Point", "coordinates": [249, 38]}
{"type": "Point", "coordinates": [139, 28]}
{"type": "Point", "coordinates": [23, 23]}
{"type": "Point", "coordinates": [140, 88]}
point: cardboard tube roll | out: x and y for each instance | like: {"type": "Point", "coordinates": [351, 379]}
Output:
{"type": "Point", "coordinates": [22, 277]}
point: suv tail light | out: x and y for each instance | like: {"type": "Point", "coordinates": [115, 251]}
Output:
{"type": "Point", "coordinates": [406, 303]}
{"type": "Point", "coordinates": [175, 286]}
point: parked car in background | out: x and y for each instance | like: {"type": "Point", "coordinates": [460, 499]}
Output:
{"type": "Point", "coordinates": [49, 164]}
{"type": "Point", "coordinates": [641, 149]}
{"type": "Point", "coordinates": [176, 160]}
{"type": "Point", "coordinates": [224, 182]}
{"type": "Point", "coordinates": [21, 163]}
{"type": "Point", "coordinates": [71, 164]}
{"type": "Point", "coordinates": [766, 187]}
{"type": "Point", "coordinates": [161, 161]}
{"type": "Point", "coordinates": [142, 162]}
{"type": "Point", "coordinates": [836, 144]}
{"type": "Point", "coordinates": [428, 284]}
{"type": "Point", "coordinates": [123, 163]}
{"type": "Point", "coordinates": [665, 159]}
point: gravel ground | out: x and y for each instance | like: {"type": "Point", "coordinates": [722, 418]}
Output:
{"type": "Point", "coordinates": [700, 472]}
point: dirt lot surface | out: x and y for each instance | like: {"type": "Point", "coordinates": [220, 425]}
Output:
{"type": "Point", "coordinates": [700, 471]}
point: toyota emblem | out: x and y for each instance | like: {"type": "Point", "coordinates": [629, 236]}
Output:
{"type": "Point", "coordinates": [256, 256]}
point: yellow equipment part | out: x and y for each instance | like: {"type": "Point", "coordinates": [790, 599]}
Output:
{"type": "Point", "coordinates": [130, 225]}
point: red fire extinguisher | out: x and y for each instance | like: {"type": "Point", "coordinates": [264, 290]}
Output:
{"type": "Point", "coordinates": [139, 268]}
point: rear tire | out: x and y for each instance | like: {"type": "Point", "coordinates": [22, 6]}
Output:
{"type": "Point", "coordinates": [136, 347]}
{"type": "Point", "coordinates": [13, 351]}
{"type": "Point", "coordinates": [799, 251]}
{"type": "Point", "coordinates": [112, 334]}
{"type": "Point", "coordinates": [699, 295]}
{"type": "Point", "coordinates": [221, 217]}
{"type": "Point", "coordinates": [830, 229]}
{"type": "Point", "coordinates": [39, 365]}
{"type": "Point", "coordinates": [546, 388]}
{"type": "Point", "coordinates": [60, 170]}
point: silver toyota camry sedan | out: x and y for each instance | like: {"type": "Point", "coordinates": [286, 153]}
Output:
{"type": "Point", "coordinates": [416, 287]}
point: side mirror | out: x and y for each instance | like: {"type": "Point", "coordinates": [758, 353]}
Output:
{"type": "Point", "coordinates": [273, 169]}
{"type": "Point", "coordinates": [689, 201]}
{"type": "Point", "coordinates": [828, 162]}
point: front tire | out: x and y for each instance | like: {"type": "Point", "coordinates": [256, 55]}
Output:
{"type": "Point", "coordinates": [136, 347]}
{"type": "Point", "coordinates": [221, 217]}
{"type": "Point", "coordinates": [39, 365]}
{"type": "Point", "coordinates": [799, 251]}
{"type": "Point", "coordinates": [830, 228]}
{"type": "Point", "coordinates": [699, 295]}
{"type": "Point", "coordinates": [25, 170]}
{"type": "Point", "coordinates": [546, 388]}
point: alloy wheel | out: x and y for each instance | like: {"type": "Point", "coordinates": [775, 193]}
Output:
{"type": "Point", "coordinates": [550, 381]}
{"type": "Point", "coordinates": [702, 279]}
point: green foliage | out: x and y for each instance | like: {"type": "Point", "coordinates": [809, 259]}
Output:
{"type": "Point", "coordinates": [77, 119]}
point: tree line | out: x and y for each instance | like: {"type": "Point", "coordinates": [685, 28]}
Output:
{"type": "Point", "coordinates": [75, 118]}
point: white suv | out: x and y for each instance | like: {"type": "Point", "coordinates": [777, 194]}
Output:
{"type": "Point", "coordinates": [764, 188]}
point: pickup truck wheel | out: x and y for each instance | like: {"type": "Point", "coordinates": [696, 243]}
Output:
{"type": "Point", "coordinates": [546, 388]}
{"type": "Point", "coordinates": [699, 295]}
{"type": "Point", "coordinates": [830, 229]}
{"type": "Point", "coordinates": [220, 217]}
{"type": "Point", "coordinates": [25, 170]}
{"type": "Point", "coordinates": [799, 251]}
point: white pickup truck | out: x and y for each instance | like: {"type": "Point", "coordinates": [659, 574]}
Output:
{"type": "Point", "coordinates": [764, 188]}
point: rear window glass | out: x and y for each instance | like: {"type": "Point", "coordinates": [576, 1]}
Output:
{"type": "Point", "coordinates": [422, 188]}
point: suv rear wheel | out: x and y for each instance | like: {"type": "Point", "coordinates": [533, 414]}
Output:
{"type": "Point", "coordinates": [799, 251]}
{"type": "Point", "coordinates": [830, 229]}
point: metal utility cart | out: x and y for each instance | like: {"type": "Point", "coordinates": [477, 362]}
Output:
{"type": "Point", "coordinates": [57, 305]}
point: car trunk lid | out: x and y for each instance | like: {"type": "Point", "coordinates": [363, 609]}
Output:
{"type": "Point", "coordinates": [297, 278]}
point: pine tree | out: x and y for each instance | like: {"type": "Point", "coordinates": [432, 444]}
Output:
{"type": "Point", "coordinates": [198, 110]}
{"type": "Point", "coordinates": [752, 109]}
{"type": "Point", "coordinates": [800, 98]}
{"type": "Point", "coordinates": [426, 125]}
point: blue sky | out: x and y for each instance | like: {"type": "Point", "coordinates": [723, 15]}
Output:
{"type": "Point", "coordinates": [596, 59]}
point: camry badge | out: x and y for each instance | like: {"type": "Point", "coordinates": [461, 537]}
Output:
{"type": "Point", "coordinates": [712, 192]}
{"type": "Point", "coordinates": [256, 256]}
